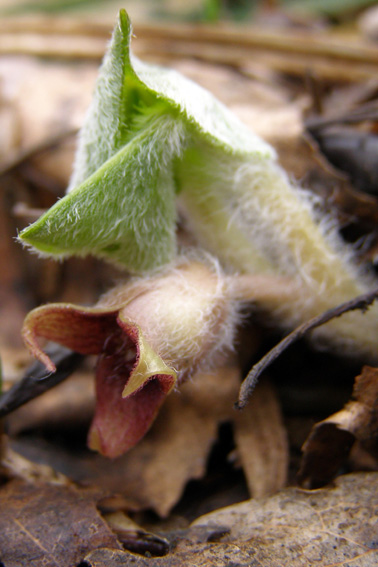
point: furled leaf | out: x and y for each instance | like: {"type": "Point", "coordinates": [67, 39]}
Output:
{"type": "Point", "coordinates": [152, 134]}
{"type": "Point", "coordinates": [120, 204]}
{"type": "Point", "coordinates": [330, 441]}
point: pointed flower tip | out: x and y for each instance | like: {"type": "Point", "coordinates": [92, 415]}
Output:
{"type": "Point", "coordinates": [29, 337]}
{"type": "Point", "coordinates": [120, 423]}
{"type": "Point", "coordinates": [94, 440]}
{"type": "Point", "coordinates": [138, 381]}
{"type": "Point", "coordinates": [149, 366]}
{"type": "Point", "coordinates": [81, 329]}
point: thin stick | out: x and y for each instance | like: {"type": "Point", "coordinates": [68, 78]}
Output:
{"type": "Point", "coordinates": [319, 44]}
{"type": "Point", "coordinates": [361, 302]}
{"type": "Point", "coordinates": [366, 112]}
{"type": "Point", "coordinates": [293, 53]}
{"type": "Point", "coordinates": [38, 380]}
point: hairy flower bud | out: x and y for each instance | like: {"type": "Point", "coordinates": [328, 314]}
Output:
{"type": "Point", "coordinates": [148, 334]}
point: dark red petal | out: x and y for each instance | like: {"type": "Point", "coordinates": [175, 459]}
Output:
{"type": "Point", "coordinates": [84, 330]}
{"type": "Point", "coordinates": [119, 423]}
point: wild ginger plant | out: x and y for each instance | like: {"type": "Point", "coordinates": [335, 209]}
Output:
{"type": "Point", "coordinates": [152, 138]}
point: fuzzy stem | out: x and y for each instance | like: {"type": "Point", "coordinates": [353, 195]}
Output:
{"type": "Point", "coordinates": [271, 230]}
{"type": "Point", "coordinates": [266, 290]}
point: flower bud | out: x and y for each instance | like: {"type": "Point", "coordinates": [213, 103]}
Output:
{"type": "Point", "coordinates": [148, 333]}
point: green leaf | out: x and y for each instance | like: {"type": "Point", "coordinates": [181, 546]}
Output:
{"type": "Point", "coordinates": [121, 199]}
{"type": "Point", "coordinates": [152, 135]}
{"type": "Point", "coordinates": [123, 212]}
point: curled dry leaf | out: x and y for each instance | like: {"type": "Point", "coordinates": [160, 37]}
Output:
{"type": "Point", "coordinates": [260, 437]}
{"type": "Point", "coordinates": [330, 441]}
{"type": "Point", "coordinates": [134, 538]}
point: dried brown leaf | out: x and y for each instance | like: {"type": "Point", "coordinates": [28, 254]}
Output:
{"type": "Point", "coordinates": [47, 98]}
{"type": "Point", "coordinates": [42, 524]}
{"type": "Point", "coordinates": [363, 419]}
{"type": "Point", "coordinates": [331, 440]}
{"type": "Point", "coordinates": [260, 437]}
{"type": "Point", "coordinates": [295, 528]}
{"type": "Point", "coordinates": [155, 472]}
{"type": "Point", "coordinates": [133, 537]}
{"type": "Point", "coordinates": [15, 466]}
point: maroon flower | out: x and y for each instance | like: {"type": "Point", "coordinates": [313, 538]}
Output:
{"type": "Point", "coordinates": [148, 334]}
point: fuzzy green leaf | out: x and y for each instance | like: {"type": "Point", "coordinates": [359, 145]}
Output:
{"type": "Point", "coordinates": [124, 211]}
{"type": "Point", "coordinates": [152, 135]}
{"type": "Point", "coordinates": [121, 199]}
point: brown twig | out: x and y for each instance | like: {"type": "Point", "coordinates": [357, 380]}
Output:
{"type": "Point", "coordinates": [366, 112]}
{"type": "Point", "coordinates": [319, 44]}
{"type": "Point", "coordinates": [362, 302]}
{"type": "Point", "coordinates": [38, 380]}
{"type": "Point", "coordinates": [295, 53]}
